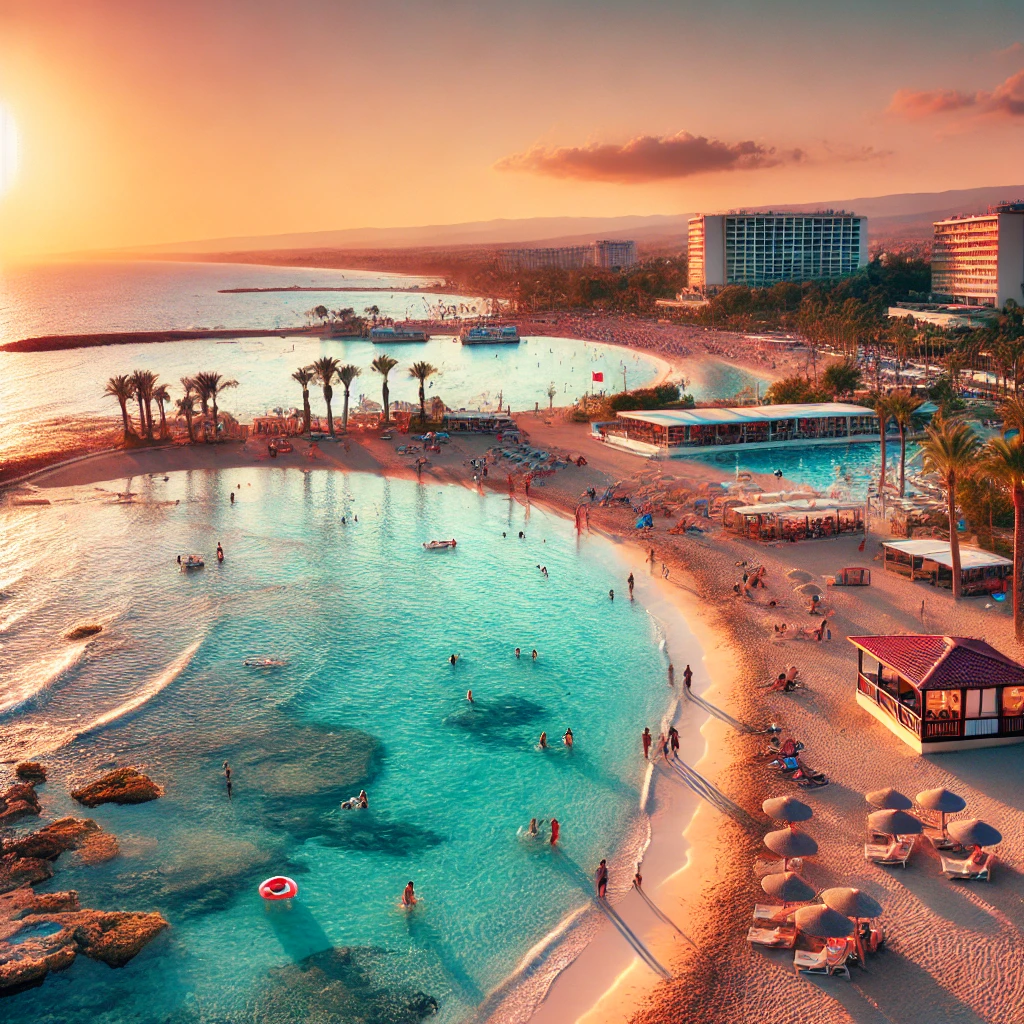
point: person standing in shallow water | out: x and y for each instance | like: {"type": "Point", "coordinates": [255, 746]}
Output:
{"type": "Point", "coordinates": [220, 552]}
{"type": "Point", "coordinates": [673, 740]}
{"type": "Point", "coordinates": [543, 741]}
{"type": "Point", "coordinates": [555, 829]}
{"type": "Point", "coordinates": [409, 896]}
{"type": "Point", "coordinates": [671, 674]}
{"type": "Point", "coordinates": [647, 739]}
{"type": "Point", "coordinates": [601, 880]}
{"type": "Point", "coordinates": [630, 581]}
{"type": "Point", "coordinates": [687, 677]}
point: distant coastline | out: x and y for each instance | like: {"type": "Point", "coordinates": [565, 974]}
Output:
{"type": "Point", "coordinates": [59, 342]}
{"type": "Point", "coordinates": [432, 288]}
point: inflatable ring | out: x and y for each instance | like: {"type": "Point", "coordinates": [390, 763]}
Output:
{"type": "Point", "coordinates": [279, 888]}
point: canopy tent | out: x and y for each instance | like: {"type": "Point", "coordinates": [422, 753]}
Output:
{"type": "Point", "coordinates": [981, 571]}
{"type": "Point", "coordinates": [795, 520]}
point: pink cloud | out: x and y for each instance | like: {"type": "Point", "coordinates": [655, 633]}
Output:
{"type": "Point", "coordinates": [647, 158]}
{"type": "Point", "coordinates": [1006, 99]}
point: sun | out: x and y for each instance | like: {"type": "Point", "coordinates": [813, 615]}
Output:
{"type": "Point", "coordinates": [8, 149]}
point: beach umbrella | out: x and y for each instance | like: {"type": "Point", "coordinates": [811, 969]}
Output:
{"type": "Point", "coordinates": [942, 800]}
{"type": "Point", "coordinates": [853, 903]}
{"type": "Point", "coordinates": [823, 923]}
{"type": "Point", "coordinates": [788, 887]}
{"type": "Point", "coordinates": [895, 823]}
{"type": "Point", "coordinates": [889, 799]}
{"type": "Point", "coordinates": [972, 832]}
{"type": "Point", "coordinates": [810, 589]}
{"type": "Point", "coordinates": [800, 575]}
{"type": "Point", "coordinates": [787, 808]}
{"type": "Point", "coordinates": [788, 842]}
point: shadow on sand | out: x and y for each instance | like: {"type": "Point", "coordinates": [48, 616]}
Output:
{"type": "Point", "coordinates": [706, 791]}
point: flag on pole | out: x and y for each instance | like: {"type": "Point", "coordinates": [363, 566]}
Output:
{"type": "Point", "coordinates": [597, 377]}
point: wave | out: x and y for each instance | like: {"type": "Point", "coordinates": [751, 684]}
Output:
{"type": "Point", "coordinates": [37, 678]}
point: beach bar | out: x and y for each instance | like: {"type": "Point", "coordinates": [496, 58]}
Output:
{"type": "Point", "coordinates": [677, 432]}
{"type": "Point", "coordinates": [981, 572]}
{"type": "Point", "coordinates": [473, 421]}
{"type": "Point", "coordinates": [941, 693]}
{"type": "Point", "coordinates": [795, 520]}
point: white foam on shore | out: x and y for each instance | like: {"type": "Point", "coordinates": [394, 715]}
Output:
{"type": "Point", "coordinates": [35, 679]}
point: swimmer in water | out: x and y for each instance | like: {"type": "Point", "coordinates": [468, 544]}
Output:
{"type": "Point", "coordinates": [469, 696]}
{"type": "Point", "coordinates": [517, 652]}
{"type": "Point", "coordinates": [567, 738]}
{"type": "Point", "coordinates": [232, 497]}
{"type": "Point", "coordinates": [179, 559]}
{"type": "Point", "coordinates": [555, 829]}
{"type": "Point", "coordinates": [611, 595]}
{"type": "Point", "coordinates": [532, 829]}
{"type": "Point", "coordinates": [543, 741]}
{"type": "Point", "coordinates": [408, 896]}
{"type": "Point", "coordinates": [364, 800]}
{"type": "Point", "coordinates": [220, 552]}
{"type": "Point", "coordinates": [454, 658]}
{"type": "Point", "coordinates": [534, 654]}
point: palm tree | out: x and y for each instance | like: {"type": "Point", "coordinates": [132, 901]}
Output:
{"type": "Point", "coordinates": [211, 383]}
{"type": "Point", "coordinates": [384, 365]}
{"type": "Point", "coordinates": [161, 396]}
{"type": "Point", "coordinates": [144, 381]}
{"type": "Point", "coordinates": [326, 369]}
{"type": "Point", "coordinates": [1012, 412]}
{"type": "Point", "coordinates": [883, 411]}
{"type": "Point", "coordinates": [903, 408]}
{"type": "Point", "coordinates": [1003, 461]}
{"type": "Point", "coordinates": [842, 378]}
{"type": "Point", "coordinates": [552, 391]}
{"type": "Point", "coordinates": [121, 388]}
{"type": "Point", "coordinates": [186, 406]}
{"type": "Point", "coordinates": [304, 376]}
{"type": "Point", "coordinates": [950, 449]}
{"type": "Point", "coordinates": [421, 371]}
{"type": "Point", "coordinates": [346, 375]}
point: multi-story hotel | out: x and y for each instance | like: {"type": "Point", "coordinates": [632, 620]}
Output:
{"type": "Point", "coordinates": [979, 260]}
{"type": "Point", "coordinates": [611, 254]}
{"type": "Point", "coordinates": [759, 249]}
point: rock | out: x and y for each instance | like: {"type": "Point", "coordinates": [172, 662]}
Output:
{"type": "Point", "coordinates": [98, 848]}
{"type": "Point", "coordinates": [30, 771]}
{"type": "Point", "coordinates": [81, 632]}
{"type": "Point", "coordinates": [27, 962]}
{"type": "Point", "coordinates": [17, 871]}
{"type": "Point", "coordinates": [121, 786]}
{"type": "Point", "coordinates": [114, 937]}
{"type": "Point", "coordinates": [18, 802]}
{"type": "Point", "coordinates": [50, 842]}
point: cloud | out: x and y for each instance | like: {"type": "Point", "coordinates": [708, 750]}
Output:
{"type": "Point", "coordinates": [1005, 100]}
{"type": "Point", "coordinates": [648, 158]}
{"type": "Point", "coordinates": [1013, 50]}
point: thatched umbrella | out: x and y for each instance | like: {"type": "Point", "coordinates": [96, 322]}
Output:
{"type": "Point", "coordinates": [788, 887]}
{"type": "Point", "coordinates": [787, 808]}
{"type": "Point", "coordinates": [942, 800]}
{"type": "Point", "coordinates": [895, 823]}
{"type": "Point", "coordinates": [971, 832]}
{"type": "Point", "coordinates": [889, 799]}
{"type": "Point", "coordinates": [789, 843]}
{"type": "Point", "coordinates": [810, 589]}
{"type": "Point", "coordinates": [800, 575]}
{"type": "Point", "coordinates": [853, 903]}
{"type": "Point", "coordinates": [823, 923]}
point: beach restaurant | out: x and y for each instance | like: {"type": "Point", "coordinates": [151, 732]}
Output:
{"type": "Point", "coordinates": [473, 421]}
{"type": "Point", "coordinates": [981, 572]}
{"type": "Point", "coordinates": [941, 693]}
{"type": "Point", "coordinates": [795, 520]}
{"type": "Point", "coordinates": [679, 431]}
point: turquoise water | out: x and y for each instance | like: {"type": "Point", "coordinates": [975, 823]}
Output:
{"type": "Point", "coordinates": [363, 620]}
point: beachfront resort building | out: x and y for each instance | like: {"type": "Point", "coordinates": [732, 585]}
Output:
{"type": "Point", "coordinates": [941, 693]}
{"type": "Point", "coordinates": [609, 254]}
{"type": "Point", "coordinates": [979, 260]}
{"type": "Point", "coordinates": [981, 572]}
{"type": "Point", "coordinates": [678, 432]}
{"type": "Point", "coordinates": [762, 249]}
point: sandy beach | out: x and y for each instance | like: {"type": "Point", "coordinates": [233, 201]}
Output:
{"type": "Point", "coordinates": [948, 942]}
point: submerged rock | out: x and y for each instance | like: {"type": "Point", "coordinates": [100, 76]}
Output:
{"type": "Point", "coordinates": [30, 771]}
{"type": "Point", "coordinates": [81, 632]}
{"type": "Point", "coordinates": [49, 842]}
{"type": "Point", "coordinates": [16, 871]}
{"type": "Point", "coordinates": [18, 802]}
{"type": "Point", "coordinates": [121, 786]}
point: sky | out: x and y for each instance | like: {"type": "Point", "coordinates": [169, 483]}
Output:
{"type": "Point", "coordinates": [135, 122]}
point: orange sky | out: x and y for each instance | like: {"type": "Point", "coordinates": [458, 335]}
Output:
{"type": "Point", "coordinates": [145, 121]}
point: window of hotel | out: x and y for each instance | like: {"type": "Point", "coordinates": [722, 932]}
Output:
{"type": "Point", "coordinates": [942, 703]}
{"type": "Point", "coordinates": [981, 703]}
{"type": "Point", "coordinates": [1013, 700]}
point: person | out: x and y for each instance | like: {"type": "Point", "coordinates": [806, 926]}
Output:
{"type": "Point", "coordinates": [220, 552]}
{"type": "Point", "coordinates": [567, 738]}
{"type": "Point", "coordinates": [638, 879]}
{"type": "Point", "coordinates": [469, 696]}
{"type": "Point", "coordinates": [364, 800]}
{"type": "Point", "coordinates": [343, 523]}
{"type": "Point", "coordinates": [517, 652]}
{"type": "Point", "coordinates": [454, 658]}
{"type": "Point", "coordinates": [601, 880]}
{"type": "Point", "coordinates": [611, 595]}
{"type": "Point", "coordinates": [555, 829]}
{"type": "Point", "coordinates": [543, 741]}
{"type": "Point", "coordinates": [777, 474]}
{"type": "Point", "coordinates": [673, 739]}
{"type": "Point", "coordinates": [544, 570]}
{"type": "Point", "coordinates": [179, 559]}
{"type": "Point", "coordinates": [532, 829]}
{"type": "Point", "coordinates": [814, 605]}
{"type": "Point", "coordinates": [630, 581]}
{"type": "Point", "coordinates": [780, 682]}
{"type": "Point", "coordinates": [663, 743]}
{"type": "Point", "coordinates": [533, 654]}
{"type": "Point", "coordinates": [232, 497]}
{"type": "Point", "coordinates": [647, 739]}
{"type": "Point", "coordinates": [409, 896]}
{"type": "Point", "coordinates": [977, 859]}
{"type": "Point", "coordinates": [687, 677]}
{"type": "Point", "coordinates": [227, 771]}
{"type": "Point", "coordinates": [650, 557]}
{"type": "Point", "coordinates": [522, 536]}
{"type": "Point", "coordinates": [664, 571]}
{"type": "Point", "coordinates": [671, 674]}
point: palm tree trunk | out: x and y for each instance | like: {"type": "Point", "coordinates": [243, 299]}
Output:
{"type": "Point", "coordinates": [1018, 563]}
{"type": "Point", "coordinates": [423, 407]}
{"type": "Point", "coordinates": [386, 395]}
{"type": "Point", "coordinates": [124, 417]}
{"type": "Point", "coordinates": [149, 419]}
{"type": "Point", "coordinates": [903, 460]}
{"type": "Point", "coordinates": [328, 395]}
{"type": "Point", "coordinates": [188, 424]}
{"type": "Point", "coordinates": [305, 410]}
{"type": "Point", "coordinates": [215, 417]}
{"type": "Point", "coordinates": [344, 411]}
{"type": "Point", "coordinates": [954, 539]}
{"type": "Point", "coordinates": [163, 420]}
{"type": "Point", "coordinates": [142, 415]}
{"type": "Point", "coordinates": [881, 477]}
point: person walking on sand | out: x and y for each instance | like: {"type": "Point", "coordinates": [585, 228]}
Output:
{"type": "Point", "coordinates": [687, 677]}
{"type": "Point", "coordinates": [671, 674]}
{"type": "Point", "coordinates": [638, 879]}
{"type": "Point", "coordinates": [650, 558]}
{"type": "Point", "coordinates": [673, 740]}
{"type": "Point", "coordinates": [409, 896]}
{"type": "Point", "coordinates": [663, 743]}
{"type": "Point", "coordinates": [646, 738]}
{"type": "Point", "coordinates": [630, 581]}
{"type": "Point", "coordinates": [555, 829]}
{"type": "Point", "coordinates": [601, 880]}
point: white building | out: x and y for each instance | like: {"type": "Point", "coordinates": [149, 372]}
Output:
{"type": "Point", "coordinates": [610, 254]}
{"type": "Point", "coordinates": [613, 254]}
{"type": "Point", "coordinates": [979, 260]}
{"type": "Point", "coordinates": [761, 249]}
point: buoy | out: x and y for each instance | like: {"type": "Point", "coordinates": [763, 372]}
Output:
{"type": "Point", "coordinates": [279, 888]}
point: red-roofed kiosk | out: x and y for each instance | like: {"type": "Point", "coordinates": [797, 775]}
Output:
{"type": "Point", "coordinates": [941, 693]}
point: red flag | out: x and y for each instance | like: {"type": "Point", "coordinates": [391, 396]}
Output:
{"type": "Point", "coordinates": [597, 377]}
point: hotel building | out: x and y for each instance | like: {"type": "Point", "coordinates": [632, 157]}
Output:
{"type": "Point", "coordinates": [761, 249]}
{"type": "Point", "coordinates": [610, 254]}
{"type": "Point", "coordinates": [979, 260]}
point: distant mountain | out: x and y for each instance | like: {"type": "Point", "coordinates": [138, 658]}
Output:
{"type": "Point", "coordinates": [908, 214]}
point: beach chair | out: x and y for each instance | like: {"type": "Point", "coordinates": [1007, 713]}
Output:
{"type": "Point", "coordinates": [775, 938]}
{"type": "Point", "coordinates": [769, 865]}
{"type": "Point", "coordinates": [962, 869]}
{"type": "Point", "coordinates": [771, 913]}
{"type": "Point", "coordinates": [830, 960]}
{"type": "Point", "coordinates": [890, 854]}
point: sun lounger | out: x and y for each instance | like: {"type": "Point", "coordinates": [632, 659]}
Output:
{"type": "Point", "coordinates": [769, 865]}
{"type": "Point", "coordinates": [830, 960]}
{"type": "Point", "coordinates": [963, 869]}
{"type": "Point", "coordinates": [776, 938]}
{"type": "Point", "coordinates": [890, 854]}
{"type": "Point", "coordinates": [771, 913]}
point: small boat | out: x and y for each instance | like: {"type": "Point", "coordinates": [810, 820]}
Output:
{"type": "Point", "coordinates": [383, 335]}
{"type": "Point", "coordinates": [439, 545]}
{"type": "Point", "coordinates": [192, 562]}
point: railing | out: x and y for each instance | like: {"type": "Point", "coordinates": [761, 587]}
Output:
{"type": "Point", "coordinates": [910, 720]}
{"type": "Point", "coordinates": [941, 728]}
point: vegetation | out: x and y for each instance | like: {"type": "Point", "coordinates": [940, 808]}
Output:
{"type": "Point", "coordinates": [304, 376]}
{"type": "Point", "coordinates": [143, 382]}
{"type": "Point", "coordinates": [421, 371]}
{"type": "Point", "coordinates": [903, 408]}
{"type": "Point", "coordinates": [123, 390]}
{"type": "Point", "coordinates": [162, 396]}
{"type": "Point", "coordinates": [346, 375]}
{"type": "Point", "coordinates": [1003, 461]}
{"type": "Point", "coordinates": [211, 384]}
{"type": "Point", "coordinates": [842, 379]}
{"type": "Point", "coordinates": [645, 398]}
{"type": "Point", "coordinates": [383, 365]}
{"type": "Point", "coordinates": [326, 370]}
{"type": "Point", "coordinates": [186, 406]}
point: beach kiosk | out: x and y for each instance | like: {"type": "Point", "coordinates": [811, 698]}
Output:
{"type": "Point", "coordinates": [795, 520]}
{"type": "Point", "coordinates": [981, 572]}
{"type": "Point", "coordinates": [941, 693]}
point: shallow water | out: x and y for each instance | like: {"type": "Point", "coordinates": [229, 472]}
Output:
{"type": "Point", "coordinates": [364, 620]}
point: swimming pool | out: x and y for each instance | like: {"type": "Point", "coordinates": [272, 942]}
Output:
{"type": "Point", "coordinates": [364, 620]}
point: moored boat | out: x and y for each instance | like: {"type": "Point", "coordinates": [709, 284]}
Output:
{"type": "Point", "coordinates": [490, 335]}
{"type": "Point", "coordinates": [383, 335]}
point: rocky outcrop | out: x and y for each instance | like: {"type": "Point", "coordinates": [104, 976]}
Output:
{"type": "Point", "coordinates": [121, 786]}
{"type": "Point", "coordinates": [20, 801]}
{"type": "Point", "coordinates": [40, 934]}
{"type": "Point", "coordinates": [17, 871]}
{"type": "Point", "coordinates": [50, 842]}
{"type": "Point", "coordinates": [81, 632]}
{"type": "Point", "coordinates": [30, 771]}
